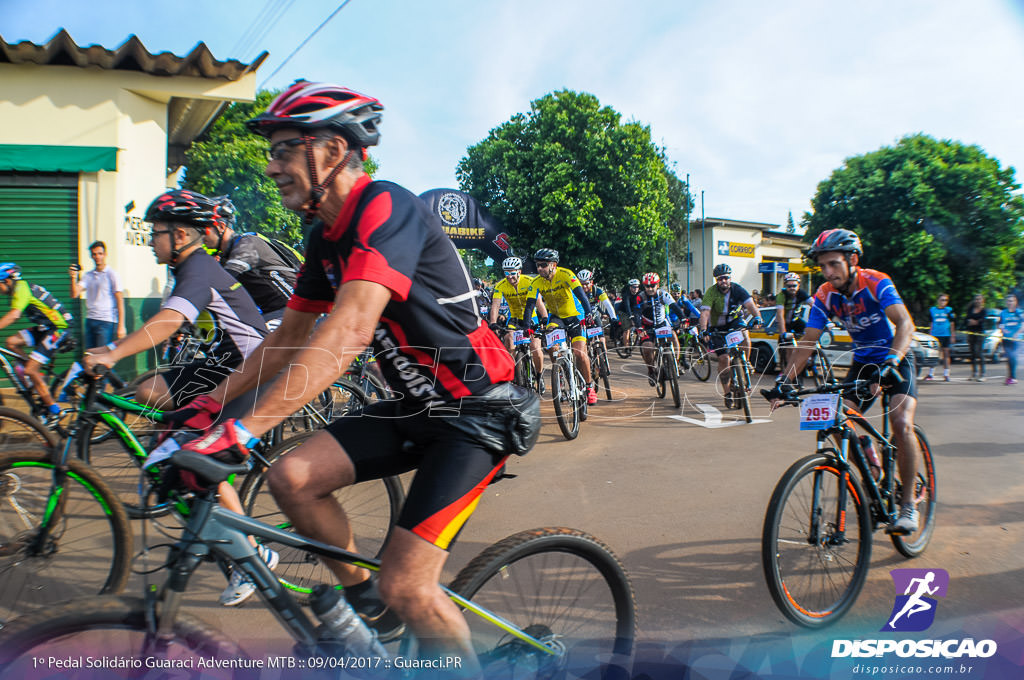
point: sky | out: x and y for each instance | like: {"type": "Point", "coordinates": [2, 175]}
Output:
{"type": "Point", "coordinates": [757, 101]}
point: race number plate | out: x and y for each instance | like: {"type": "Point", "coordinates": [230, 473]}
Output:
{"type": "Point", "coordinates": [595, 331]}
{"type": "Point", "coordinates": [519, 338]}
{"type": "Point", "coordinates": [818, 411]}
{"type": "Point", "coordinates": [554, 337]}
{"type": "Point", "coordinates": [663, 332]}
{"type": "Point", "coordinates": [734, 339]}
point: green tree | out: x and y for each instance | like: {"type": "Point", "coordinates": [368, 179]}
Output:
{"type": "Point", "coordinates": [937, 215]}
{"type": "Point", "coordinates": [570, 175]}
{"type": "Point", "coordinates": [230, 160]}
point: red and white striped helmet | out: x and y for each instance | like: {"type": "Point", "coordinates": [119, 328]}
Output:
{"type": "Point", "coordinates": [312, 106]}
{"type": "Point", "coordinates": [651, 279]}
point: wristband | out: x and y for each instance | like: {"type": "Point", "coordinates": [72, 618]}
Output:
{"type": "Point", "coordinates": [111, 346]}
{"type": "Point", "coordinates": [894, 357]}
{"type": "Point", "coordinates": [244, 435]}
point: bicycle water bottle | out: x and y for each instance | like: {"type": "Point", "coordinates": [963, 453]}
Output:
{"type": "Point", "coordinates": [874, 462]}
{"type": "Point", "coordinates": [341, 619]}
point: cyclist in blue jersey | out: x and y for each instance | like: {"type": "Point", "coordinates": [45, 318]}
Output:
{"type": "Point", "coordinates": [872, 311]}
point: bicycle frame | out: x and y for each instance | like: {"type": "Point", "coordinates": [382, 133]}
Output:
{"type": "Point", "coordinates": [218, 533]}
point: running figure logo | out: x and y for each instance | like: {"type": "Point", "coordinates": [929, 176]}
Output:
{"type": "Point", "coordinates": [914, 610]}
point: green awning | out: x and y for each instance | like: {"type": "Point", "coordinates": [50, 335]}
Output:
{"type": "Point", "coordinates": [44, 158]}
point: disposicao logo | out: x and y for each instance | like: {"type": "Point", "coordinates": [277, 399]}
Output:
{"type": "Point", "coordinates": [914, 611]}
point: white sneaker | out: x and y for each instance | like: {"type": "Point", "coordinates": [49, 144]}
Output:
{"type": "Point", "coordinates": [240, 588]}
{"type": "Point", "coordinates": [906, 523]}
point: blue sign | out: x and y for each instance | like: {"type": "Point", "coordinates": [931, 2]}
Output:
{"type": "Point", "coordinates": [771, 267]}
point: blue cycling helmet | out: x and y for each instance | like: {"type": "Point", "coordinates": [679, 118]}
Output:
{"type": "Point", "coordinates": [9, 270]}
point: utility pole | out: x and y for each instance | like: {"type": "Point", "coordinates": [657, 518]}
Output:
{"type": "Point", "coordinates": [689, 253]}
{"type": "Point", "coordinates": [703, 235]}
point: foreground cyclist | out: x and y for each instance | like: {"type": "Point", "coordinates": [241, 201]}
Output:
{"type": "Point", "coordinates": [385, 273]}
{"type": "Point", "coordinates": [870, 308]}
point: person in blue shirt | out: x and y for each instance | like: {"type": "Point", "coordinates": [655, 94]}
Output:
{"type": "Point", "coordinates": [1011, 323]}
{"type": "Point", "coordinates": [944, 330]}
{"type": "Point", "coordinates": [867, 304]}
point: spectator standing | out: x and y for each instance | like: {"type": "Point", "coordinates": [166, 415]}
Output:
{"type": "Point", "coordinates": [974, 324]}
{"type": "Point", "coordinates": [944, 330]}
{"type": "Point", "coordinates": [1011, 322]}
{"type": "Point", "coordinates": [104, 298]}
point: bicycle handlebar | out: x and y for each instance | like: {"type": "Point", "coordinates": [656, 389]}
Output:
{"type": "Point", "coordinates": [792, 397]}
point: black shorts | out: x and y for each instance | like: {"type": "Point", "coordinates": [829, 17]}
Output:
{"type": "Point", "coordinates": [187, 381]}
{"type": "Point", "coordinates": [44, 342]}
{"type": "Point", "coordinates": [716, 339]}
{"type": "Point", "coordinates": [869, 372]}
{"type": "Point", "coordinates": [943, 340]}
{"type": "Point", "coordinates": [573, 327]}
{"type": "Point", "coordinates": [452, 467]}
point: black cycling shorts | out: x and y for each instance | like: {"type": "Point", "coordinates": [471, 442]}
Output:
{"type": "Point", "coordinates": [185, 382]}
{"type": "Point", "coordinates": [573, 327]}
{"type": "Point", "coordinates": [452, 467]}
{"type": "Point", "coordinates": [716, 339]}
{"type": "Point", "coordinates": [870, 372]}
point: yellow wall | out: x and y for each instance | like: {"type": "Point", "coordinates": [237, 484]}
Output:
{"type": "Point", "coordinates": [71, 106]}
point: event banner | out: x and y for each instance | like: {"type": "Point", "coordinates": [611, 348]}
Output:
{"type": "Point", "coordinates": [467, 222]}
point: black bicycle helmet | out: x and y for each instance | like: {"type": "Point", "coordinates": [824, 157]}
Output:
{"type": "Point", "coordinates": [722, 270]}
{"type": "Point", "coordinates": [186, 207]}
{"type": "Point", "coordinates": [312, 106]}
{"type": "Point", "coordinates": [835, 240]}
{"type": "Point", "coordinates": [546, 255]}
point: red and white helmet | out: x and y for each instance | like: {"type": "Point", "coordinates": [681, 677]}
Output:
{"type": "Point", "coordinates": [311, 106]}
{"type": "Point", "coordinates": [791, 276]}
{"type": "Point", "coordinates": [651, 279]}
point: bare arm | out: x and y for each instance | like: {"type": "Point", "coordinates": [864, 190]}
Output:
{"type": "Point", "coordinates": [10, 317]}
{"type": "Point", "coordinates": [900, 317]}
{"type": "Point", "coordinates": [340, 338]}
{"type": "Point", "coordinates": [798, 357]}
{"type": "Point", "coordinates": [542, 311]}
{"type": "Point", "coordinates": [273, 354]}
{"type": "Point", "coordinates": [705, 317]}
{"type": "Point", "coordinates": [780, 316]}
{"type": "Point", "coordinates": [119, 296]}
{"type": "Point", "coordinates": [157, 329]}
{"type": "Point", "coordinates": [76, 285]}
{"type": "Point", "coordinates": [495, 304]}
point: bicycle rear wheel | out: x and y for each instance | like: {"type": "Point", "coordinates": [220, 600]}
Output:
{"type": "Point", "coordinates": [19, 429]}
{"type": "Point", "coordinates": [566, 412]}
{"type": "Point", "coordinates": [113, 628]}
{"type": "Point", "coordinates": [625, 347]}
{"type": "Point", "coordinates": [372, 508]}
{"type": "Point", "coordinates": [700, 363]}
{"type": "Point", "coordinates": [605, 371]}
{"type": "Point", "coordinates": [924, 493]}
{"type": "Point", "coordinates": [87, 548]}
{"type": "Point", "coordinates": [815, 559]}
{"type": "Point", "coordinates": [564, 588]}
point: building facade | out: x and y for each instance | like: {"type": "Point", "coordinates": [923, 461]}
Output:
{"type": "Point", "coordinates": [89, 136]}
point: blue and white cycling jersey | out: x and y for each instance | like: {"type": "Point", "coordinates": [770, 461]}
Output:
{"type": "Point", "coordinates": [862, 314]}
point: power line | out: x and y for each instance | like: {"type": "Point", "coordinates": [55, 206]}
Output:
{"type": "Point", "coordinates": [303, 43]}
{"type": "Point", "coordinates": [259, 29]}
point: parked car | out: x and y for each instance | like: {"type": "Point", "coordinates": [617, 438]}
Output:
{"type": "Point", "coordinates": [991, 349]}
{"type": "Point", "coordinates": [838, 346]}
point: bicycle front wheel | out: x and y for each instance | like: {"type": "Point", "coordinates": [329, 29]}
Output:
{"type": "Point", "coordinates": [85, 550]}
{"type": "Point", "coordinates": [114, 628]}
{"type": "Point", "coordinates": [372, 509]}
{"type": "Point", "coordinates": [566, 412]}
{"type": "Point", "coordinates": [563, 587]}
{"type": "Point", "coordinates": [700, 363]}
{"type": "Point", "coordinates": [668, 367]}
{"type": "Point", "coordinates": [741, 386]}
{"type": "Point", "coordinates": [924, 494]}
{"type": "Point", "coordinates": [815, 557]}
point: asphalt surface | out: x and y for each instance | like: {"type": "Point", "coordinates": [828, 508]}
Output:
{"type": "Point", "coordinates": [680, 497]}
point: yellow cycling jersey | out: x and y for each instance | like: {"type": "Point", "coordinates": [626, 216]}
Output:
{"type": "Point", "coordinates": [557, 293]}
{"type": "Point", "coordinates": [516, 296]}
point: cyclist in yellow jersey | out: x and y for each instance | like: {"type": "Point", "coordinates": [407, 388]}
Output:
{"type": "Point", "coordinates": [38, 344]}
{"type": "Point", "coordinates": [515, 288]}
{"type": "Point", "coordinates": [564, 297]}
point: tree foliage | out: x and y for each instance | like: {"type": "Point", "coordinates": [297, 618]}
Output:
{"type": "Point", "coordinates": [937, 215]}
{"type": "Point", "coordinates": [570, 175]}
{"type": "Point", "coordinates": [230, 160]}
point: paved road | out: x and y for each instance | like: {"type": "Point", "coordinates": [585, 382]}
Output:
{"type": "Point", "coordinates": [682, 505]}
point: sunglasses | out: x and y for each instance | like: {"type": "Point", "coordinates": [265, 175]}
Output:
{"type": "Point", "coordinates": [279, 150]}
{"type": "Point", "coordinates": [722, 278]}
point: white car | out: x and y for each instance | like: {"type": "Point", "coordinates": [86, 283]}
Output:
{"type": "Point", "coordinates": [835, 342]}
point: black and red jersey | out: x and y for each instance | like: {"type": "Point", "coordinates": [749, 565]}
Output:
{"type": "Point", "coordinates": [430, 342]}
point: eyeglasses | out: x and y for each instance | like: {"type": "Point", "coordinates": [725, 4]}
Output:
{"type": "Point", "coordinates": [279, 150]}
{"type": "Point", "coordinates": [155, 233]}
